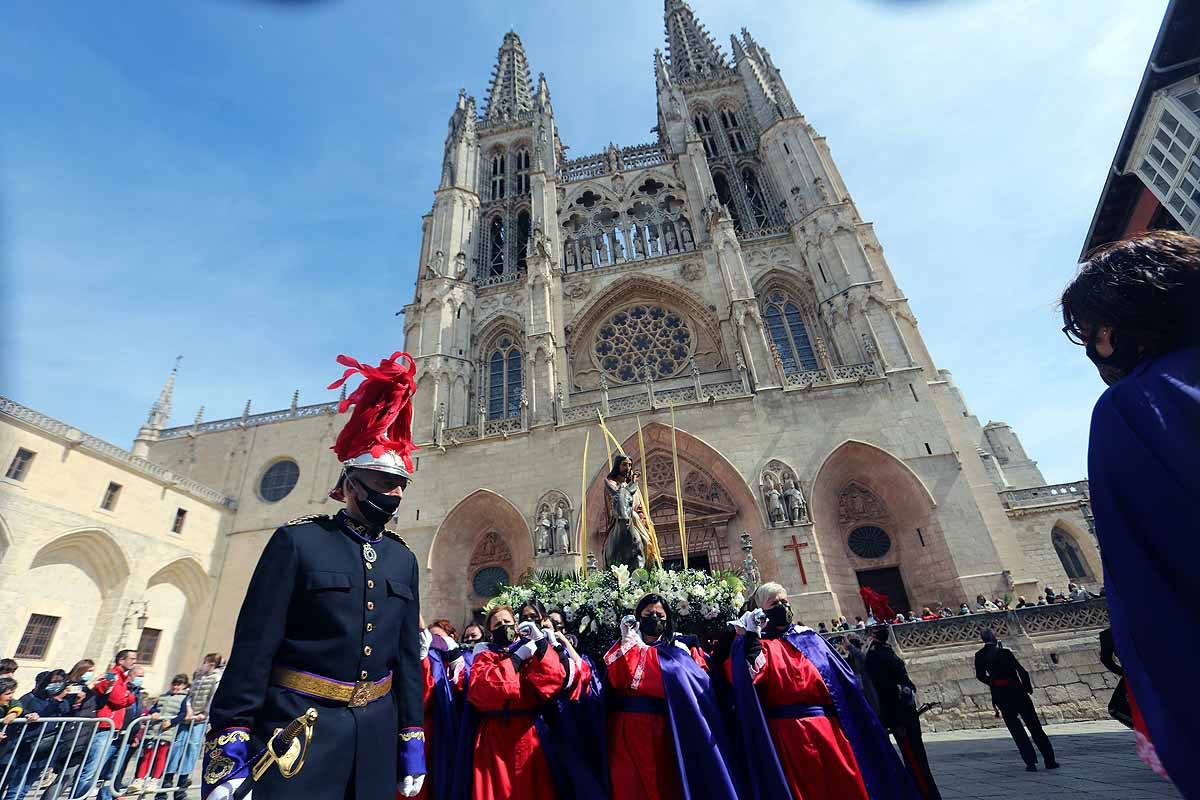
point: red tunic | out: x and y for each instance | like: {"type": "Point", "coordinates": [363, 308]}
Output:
{"type": "Point", "coordinates": [641, 754]}
{"type": "Point", "coordinates": [508, 758]}
{"type": "Point", "coordinates": [813, 751]}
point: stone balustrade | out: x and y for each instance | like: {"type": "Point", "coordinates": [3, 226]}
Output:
{"type": "Point", "coordinates": [1045, 495]}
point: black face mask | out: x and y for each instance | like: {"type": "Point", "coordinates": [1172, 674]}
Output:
{"type": "Point", "coordinates": [504, 635]}
{"type": "Point", "coordinates": [377, 508]}
{"type": "Point", "coordinates": [779, 616]}
{"type": "Point", "coordinates": [1125, 356]}
{"type": "Point", "coordinates": [652, 626]}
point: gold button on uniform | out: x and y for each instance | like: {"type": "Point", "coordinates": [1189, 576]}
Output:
{"type": "Point", "coordinates": [370, 584]}
{"type": "Point", "coordinates": [367, 650]}
{"type": "Point", "coordinates": [370, 605]}
{"type": "Point", "coordinates": [369, 565]}
{"type": "Point", "coordinates": [362, 676]}
{"type": "Point", "coordinates": [370, 627]}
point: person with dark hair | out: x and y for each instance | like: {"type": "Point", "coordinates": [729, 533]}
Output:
{"type": "Point", "coordinates": [39, 747]}
{"type": "Point", "coordinates": [806, 728]}
{"type": "Point", "coordinates": [665, 736]}
{"type": "Point", "coordinates": [189, 739]}
{"type": "Point", "coordinates": [331, 620]}
{"type": "Point", "coordinates": [1135, 307]}
{"type": "Point", "coordinates": [502, 753]}
{"type": "Point", "coordinates": [172, 711]}
{"type": "Point", "coordinates": [472, 634]}
{"type": "Point", "coordinates": [897, 705]}
{"type": "Point", "coordinates": [113, 697]}
{"type": "Point", "coordinates": [998, 667]}
{"type": "Point", "coordinates": [8, 667]}
{"type": "Point", "coordinates": [444, 671]}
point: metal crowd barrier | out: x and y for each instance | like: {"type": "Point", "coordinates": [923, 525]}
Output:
{"type": "Point", "coordinates": [66, 758]}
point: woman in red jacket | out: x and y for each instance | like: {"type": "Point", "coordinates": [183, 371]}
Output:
{"type": "Point", "coordinates": [512, 676]}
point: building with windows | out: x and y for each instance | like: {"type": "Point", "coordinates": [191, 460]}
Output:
{"type": "Point", "coordinates": [1154, 181]}
{"type": "Point", "coordinates": [101, 550]}
{"type": "Point", "coordinates": [719, 277]}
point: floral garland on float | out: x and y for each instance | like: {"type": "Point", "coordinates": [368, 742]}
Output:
{"type": "Point", "coordinates": [593, 605]}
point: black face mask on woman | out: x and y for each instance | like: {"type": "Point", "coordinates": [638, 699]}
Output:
{"type": "Point", "coordinates": [1125, 356]}
{"type": "Point", "coordinates": [377, 508]}
{"type": "Point", "coordinates": [779, 616]}
{"type": "Point", "coordinates": [504, 635]}
{"type": "Point", "coordinates": [652, 626]}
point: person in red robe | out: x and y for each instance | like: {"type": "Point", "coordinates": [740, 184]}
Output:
{"type": "Point", "coordinates": [507, 686]}
{"type": "Point", "coordinates": [643, 756]}
{"type": "Point", "coordinates": [441, 661]}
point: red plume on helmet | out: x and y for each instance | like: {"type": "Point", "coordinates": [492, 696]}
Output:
{"type": "Point", "coordinates": [382, 418]}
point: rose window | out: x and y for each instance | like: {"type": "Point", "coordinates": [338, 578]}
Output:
{"type": "Point", "coordinates": [642, 339]}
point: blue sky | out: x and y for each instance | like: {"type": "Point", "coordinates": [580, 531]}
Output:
{"type": "Point", "coordinates": [242, 183]}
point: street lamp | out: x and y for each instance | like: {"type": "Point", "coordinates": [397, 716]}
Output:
{"type": "Point", "coordinates": [139, 615]}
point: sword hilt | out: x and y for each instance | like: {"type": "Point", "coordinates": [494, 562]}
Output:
{"type": "Point", "coordinates": [278, 752]}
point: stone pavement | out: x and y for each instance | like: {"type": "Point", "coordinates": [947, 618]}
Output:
{"type": "Point", "coordinates": [1098, 761]}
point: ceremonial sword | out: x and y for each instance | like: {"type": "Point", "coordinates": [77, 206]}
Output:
{"type": "Point", "coordinates": [286, 749]}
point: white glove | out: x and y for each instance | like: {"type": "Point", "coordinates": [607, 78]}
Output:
{"type": "Point", "coordinates": [751, 621]}
{"type": "Point", "coordinates": [410, 786]}
{"type": "Point", "coordinates": [629, 626]}
{"type": "Point", "coordinates": [426, 639]}
{"type": "Point", "coordinates": [224, 791]}
{"type": "Point", "coordinates": [531, 631]}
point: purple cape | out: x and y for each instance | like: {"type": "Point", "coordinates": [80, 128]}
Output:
{"type": "Point", "coordinates": [883, 773]}
{"type": "Point", "coordinates": [696, 727]}
{"type": "Point", "coordinates": [1144, 472]}
{"type": "Point", "coordinates": [446, 719]}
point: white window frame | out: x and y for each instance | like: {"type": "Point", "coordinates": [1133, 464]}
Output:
{"type": "Point", "coordinates": [1156, 152]}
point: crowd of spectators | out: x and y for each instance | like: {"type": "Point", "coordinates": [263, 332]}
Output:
{"type": "Point", "coordinates": [1074, 593]}
{"type": "Point", "coordinates": [159, 737]}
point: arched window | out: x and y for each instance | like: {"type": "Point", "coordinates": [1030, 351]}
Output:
{"type": "Point", "coordinates": [496, 254]}
{"type": "Point", "coordinates": [755, 197]}
{"type": "Point", "coordinates": [504, 380]}
{"type": "Point", "coordinates": [523, 231]}
{"type": "Point", "coordinates": [725, 195]}
{"type": "Point", "coordinates": [733, 131]}
{"type": "Point", "coordinates": [522, 172]}
{"type": "Point", "coordinates": [1069, 555]}
{"type": "Point", "coordinates": [704, 128]}
{"type": "Point", "coordinates": [497, 176]}
{"type": "Point", "coordinates": [788, 333]}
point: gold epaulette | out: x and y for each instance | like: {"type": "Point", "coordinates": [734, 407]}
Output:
{"type": "Point", "coordinates": [308, 518]}
{"type": "Point", "coordinates": [398, 538]}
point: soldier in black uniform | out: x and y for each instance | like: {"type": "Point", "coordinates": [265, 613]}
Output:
{"type": "Point", "coordinates": [998, 667]}
{"type": "Point", "coordinates": [330, 621]}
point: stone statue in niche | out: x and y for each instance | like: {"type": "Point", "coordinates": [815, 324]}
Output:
{"type": "Point", "coordinates": [569, 246]}
{"type": "Point", "coordinates": [544, 535]}
{"type": "Point", "coordinates": [712, 211]}
{"type": "Point", "coordinates": [797, 511]}
{"type": "Point", "coordinates": [775, 510]}
{"type": "Point", "coordinates": [562, 531]}
{"type": "Point", "coordinates": [655, 246]}
{"type": "Point", "coordinates": [438, 265]}
{"type": "Point", "coordinates": [460, 265]}
{"type": "Point", "coordinates": [585, 251]}
{"type": "Point", "coordinates": [541, 245]}
{"type": "Point", "coordinates": [639, 245]}
{"type": "Point", "coordinates": [685, 234]}
{"type": "Point", "coordinates": [672, 240]}
{"type": "Point", "coordinates": [617, 248]}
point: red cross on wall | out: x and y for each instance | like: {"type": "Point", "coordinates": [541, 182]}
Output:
{"type": "Point", "coordinates": [799, 562]}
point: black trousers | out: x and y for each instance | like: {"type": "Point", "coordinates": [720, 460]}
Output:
{"type": "Point", "coordinates": [1018, 712]}
{"type": "Point", "coordinates": [912, 749]}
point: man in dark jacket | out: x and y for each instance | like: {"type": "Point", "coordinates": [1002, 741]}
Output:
{"type": "Point", "coordinates": [897, 697]}
{"type": "Point", "coordinates": [330, 621]}
{"type": "Point", "coordinates": [998, 667]}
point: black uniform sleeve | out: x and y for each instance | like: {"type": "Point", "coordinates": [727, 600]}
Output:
{"type": "Point", "coordinates": [1108, 652]}
{"type": "Point", "coordinates": [408, 685]}
{"type": "Point", "coordinates": [259, 632]}
{"type": "Point", "coordinates": [981, 674]}
{"type": "Point", "coordinates": [1023, 674]}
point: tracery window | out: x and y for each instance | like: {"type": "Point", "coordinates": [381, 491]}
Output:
{"type": "Point", "coordinates": [598, 235]}
{"type": "Point", "coordinates": [1068, 555]}
{"type": "Point", "coordinates": [788, 333]}
{"type": "Point", "coordinates": [754, 197]}
{"type": "Point", "coordinates": [725, 195]}
{"type": "Point", "coordinates": [504, 380]}
{"type": "Point", "coordinates": [733, 133]}
{"type": "Point", "coordinates": [644, 339]}
{"type": "Point", "coordinates": [704, 128]}
{"type": "Point", "coordinates": [497, 176]}
{"type": "Point", "coordinates": [522, 175]}
{"type": "Point", "coordinates": [497, 255]}
{"type": "Point", "coordinates": [524, 229]}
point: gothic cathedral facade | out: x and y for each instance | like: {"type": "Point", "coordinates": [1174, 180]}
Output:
{"type": "Point", "coordinates": [713, 293]}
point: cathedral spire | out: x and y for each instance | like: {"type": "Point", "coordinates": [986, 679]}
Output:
{"type": "Point", "coordinates": [691, 50]}
{"type": "Point", "coordinates": [159, 416]}
{"type": "Point", "coordinates": [512, 88]}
